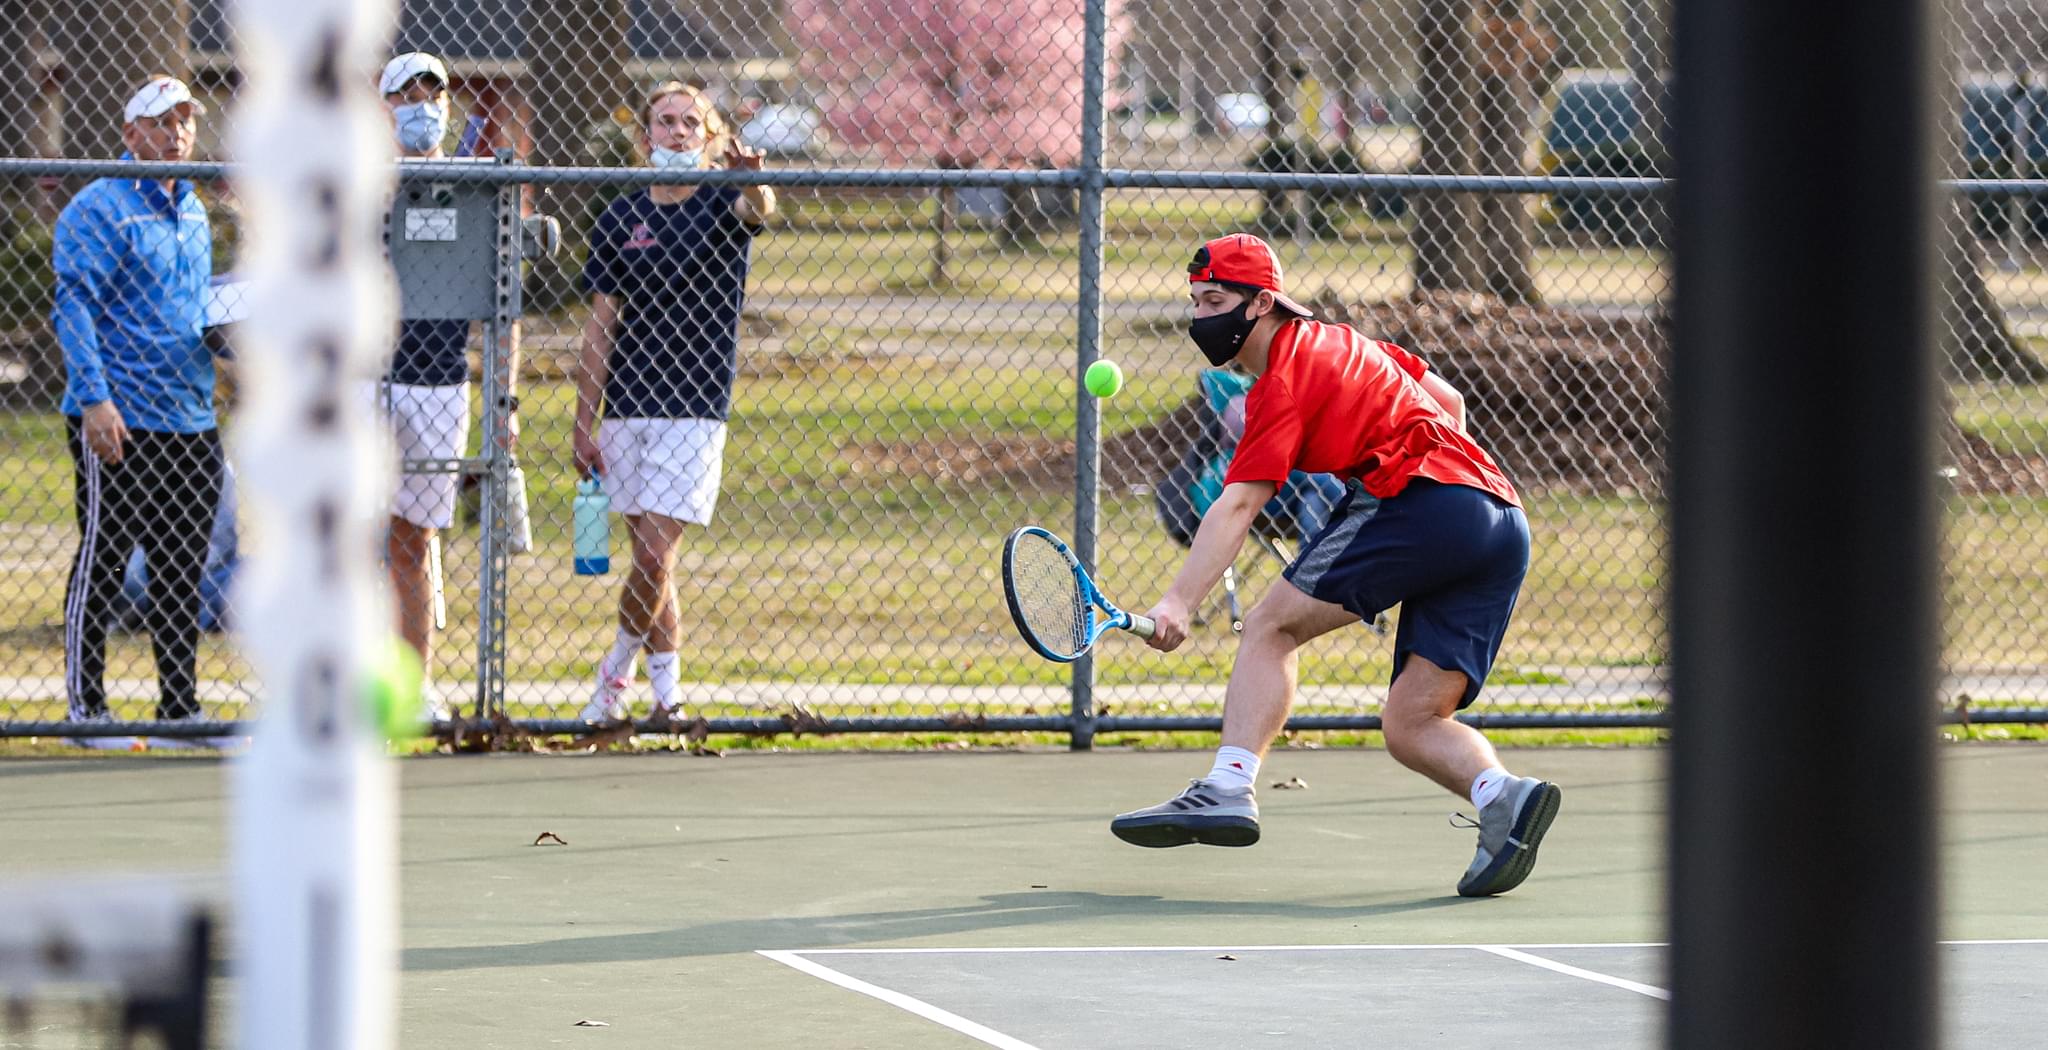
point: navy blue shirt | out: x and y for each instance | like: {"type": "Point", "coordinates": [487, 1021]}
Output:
{"type": "Point", "coordinates": [679, 272]}
{"type": "Point", "coordinates": [431, 353]}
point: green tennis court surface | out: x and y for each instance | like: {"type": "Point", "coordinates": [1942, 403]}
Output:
{"type": "Point", "coordinates": [765, 900]}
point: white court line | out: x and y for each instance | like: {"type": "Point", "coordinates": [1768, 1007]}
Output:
{"type": "Point", "coordinates": [1652, 991]}
{"type": "Point", "coordinates": [903, 1002]}
{"type": "Point", "coordinates": [1109, 948]}
{"type": "Point", "coordinates": [1112, 948]}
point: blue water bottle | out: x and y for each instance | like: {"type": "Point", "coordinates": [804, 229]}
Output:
{"type": "Point", "coordinates": [593, 528]}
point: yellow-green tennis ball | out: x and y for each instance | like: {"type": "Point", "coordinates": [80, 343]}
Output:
{"type": "Point", "coordinates": [391, 689]}
{"type": "Point", "coordinates": [1103, 378]}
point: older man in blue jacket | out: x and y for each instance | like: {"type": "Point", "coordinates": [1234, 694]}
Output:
{"type": "Point", "coordinates": [133, 258]}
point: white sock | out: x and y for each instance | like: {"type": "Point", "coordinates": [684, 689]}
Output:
{"type": "Point", "coordinates": [1235, 767]}
{"type": "Point", "coordinates": [661, 674]}
{"type": "Point", "coordinates": [625, 653]}
{"type": "Point", "coordinates": [1488, 785]}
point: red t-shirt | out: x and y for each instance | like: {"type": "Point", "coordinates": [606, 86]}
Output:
{"type": "Point", "coordinates": [1332, 401]}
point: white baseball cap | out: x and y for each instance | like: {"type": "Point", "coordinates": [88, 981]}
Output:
{"type": "Point", "coordinates": [158, 97]}
{"type": "Point", "coordinates": [399, 71]}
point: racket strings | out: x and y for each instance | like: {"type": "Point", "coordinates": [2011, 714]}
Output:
{"type": "Point", "coordinates": [1048, 595]}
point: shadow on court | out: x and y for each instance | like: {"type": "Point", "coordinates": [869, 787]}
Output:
{"type": "Point", "coordinates": [1007, 911]}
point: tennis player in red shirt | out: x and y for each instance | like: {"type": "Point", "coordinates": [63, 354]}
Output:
{"type": "Point", "coordinates": [1442, 535]}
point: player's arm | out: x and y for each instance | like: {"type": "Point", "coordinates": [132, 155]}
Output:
{"type": "Point", "coordinates": [1445, 395]}
{"type": "Point", "coordinates": [84, 259]}
{"type": "Point", "coordinates": [1217, 541]}
{"type": "Point", "coordinates": [593, 368]}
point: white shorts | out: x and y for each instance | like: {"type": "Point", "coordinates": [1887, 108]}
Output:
{"type": "Point", "coordinates": [668, 467]}
{"type": "Point", "coordinates": [427, 422]}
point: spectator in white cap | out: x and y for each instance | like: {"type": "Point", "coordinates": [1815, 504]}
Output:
{"type": "Point", "coordinates": [424, 395]}
{"type": "Point", "coordinates": [415, 89]}
{"type": "Point", "coordinates": [133, 258]}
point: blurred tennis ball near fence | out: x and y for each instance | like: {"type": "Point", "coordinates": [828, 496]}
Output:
{"type": "Point", "coordinates": [391, 687]}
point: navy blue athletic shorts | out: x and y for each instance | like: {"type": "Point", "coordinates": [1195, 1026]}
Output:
{"type": "Point", "coordinates": [1451, 556]}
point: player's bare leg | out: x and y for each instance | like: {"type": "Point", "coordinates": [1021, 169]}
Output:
{"type": "Point", "coordinates": [646, 614]}
{"type": "Point", "coordinates": [406, 556]}
{"type": "Point", "coordinates": [413, 593]}
{"type": "Point", "coordinates": [1422, 735]}
{"type": "Point", "coordinates": [650, 591]}
{"type": "Point", "coordinates": [1263, 678]}
{"type": "Point", "coordinates": [1514, 812]}
{"type": "Point", "coordinates": [1220, 810]}
{"type": "Point", "coordinates": [655, 541]}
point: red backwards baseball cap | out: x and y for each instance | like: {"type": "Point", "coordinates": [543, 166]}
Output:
{"type": "Point", "coordinates": [1241, 258]}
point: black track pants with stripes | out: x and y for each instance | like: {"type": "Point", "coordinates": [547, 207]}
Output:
{"type": "Point", "coordinates": [162, 495]}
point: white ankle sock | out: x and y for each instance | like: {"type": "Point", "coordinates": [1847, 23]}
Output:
{"type": "Point", "coordinates": [661, 674]}
{"type": "Point", "coordinates": [1235, 767]}
{"type": "Point", "coordinates": [625, 653]}
{"type": "Point", "coordinates": [1487, 786]}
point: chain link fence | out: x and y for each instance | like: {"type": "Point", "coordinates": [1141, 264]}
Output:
{"type": "Point", "coordinates": [950, 241]}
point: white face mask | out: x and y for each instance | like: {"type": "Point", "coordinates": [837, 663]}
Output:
{"type": "Point", "coordinates": [420, 125]}
{"type": "Point", "coordinates": [674, 159]}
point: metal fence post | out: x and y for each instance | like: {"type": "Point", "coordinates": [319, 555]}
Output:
{"type": "Point", "coordinates": [1088, 340]}
{"type": "Point", "coordinates": [497, 386]}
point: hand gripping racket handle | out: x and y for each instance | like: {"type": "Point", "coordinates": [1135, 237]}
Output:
{"type": "Point", "coordinates": [1142, 626]}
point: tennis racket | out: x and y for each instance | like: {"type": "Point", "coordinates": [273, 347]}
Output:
{"type": "Point", "coordinates": [1055, 605]}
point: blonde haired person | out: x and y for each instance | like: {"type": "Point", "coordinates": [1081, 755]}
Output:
{"type": "Point", "coordinates": [666, 272]}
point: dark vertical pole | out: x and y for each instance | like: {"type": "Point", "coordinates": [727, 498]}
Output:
{"type": "Point", "coordinates": [1803, 527]}
{"type": "Point", "coordinates": [1088, 342]}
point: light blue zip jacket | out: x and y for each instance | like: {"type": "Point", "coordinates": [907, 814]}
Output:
{"type": "Point", "coordinates": [132, 266]}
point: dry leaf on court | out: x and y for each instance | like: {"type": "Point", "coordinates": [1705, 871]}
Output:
{"type": "Point", "coordinates": [549, 836]}
{"type": "Point", "coordinates": [588, 1023]}
{"type": "Point", "coordinates": [1292, 784]}
{"type": "Point", "coordinates": [1228, 958]}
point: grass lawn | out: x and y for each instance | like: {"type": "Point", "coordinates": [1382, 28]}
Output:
{"type": "Point", "coordinates": [827, 564]}
{"type": "Point", "coordinates": [821, 568]}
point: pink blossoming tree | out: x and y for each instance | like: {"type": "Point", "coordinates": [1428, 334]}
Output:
{"type": "Point", "coordinates": [950, 83]}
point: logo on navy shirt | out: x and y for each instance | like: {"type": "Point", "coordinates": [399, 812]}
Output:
{"type": "Point", "coordinates": [642, 237]}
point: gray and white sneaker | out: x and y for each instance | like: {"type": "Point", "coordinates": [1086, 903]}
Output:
{"type": "Point", "coordinates": [1206, 813]}
{"type": "Point", "coordinates": [1510, 829]}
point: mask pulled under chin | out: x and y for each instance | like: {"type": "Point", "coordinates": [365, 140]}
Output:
{"type": "Point", "coordinates": [1221, 336]}
{"type": "Point", "coordinates": [674, 159]}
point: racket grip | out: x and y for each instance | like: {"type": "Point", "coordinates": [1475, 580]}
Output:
{"type": "Point", "coordinates": [1142, 626]}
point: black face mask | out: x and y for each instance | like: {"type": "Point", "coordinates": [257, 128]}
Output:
{"type": "Point", "coordinates": [1221, 335]}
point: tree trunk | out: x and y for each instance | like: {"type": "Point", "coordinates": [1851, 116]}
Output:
{"type": "Point", "coordinates": [1514, 54]}
{"type": "Point", "coordinates": [1275, 217]}
{"type": "Point", "coordinates": [1976, 342]}
{"type": "Point", "coordinates": [575, 79]}
{"type": "Point", "coordinates": [1445, 236]}
{"type": "Point", "coordinates": [114, 48]}
{"type": "Point", "coordinates": [1347, 89]}
{"type": "Point", "coordinates": [18, 66]}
